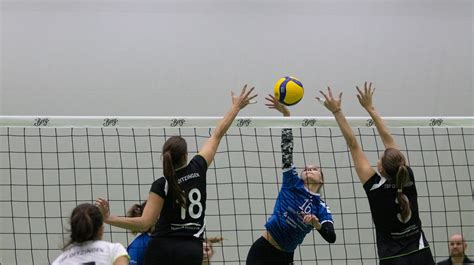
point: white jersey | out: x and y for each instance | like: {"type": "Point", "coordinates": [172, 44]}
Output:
{"type": "Point", "coordinates": [92, 253]}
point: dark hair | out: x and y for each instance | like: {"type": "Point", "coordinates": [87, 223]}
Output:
{"type": "Point", "coordinates": [394, 164]}
{"type": "Point", "coordinates": [136, 211]}
{"type": "Point", "coordinates": [86, 221]}
{"type": "Point", "coordinates": [174, 154]}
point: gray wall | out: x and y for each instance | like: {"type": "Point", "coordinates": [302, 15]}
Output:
{"type": "Point", "coordinates": [156, 57]}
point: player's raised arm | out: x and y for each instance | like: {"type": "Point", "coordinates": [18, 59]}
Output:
{"type": "Point", "coordinates": [365, 100]}
{"type": "Point", "coordinates": [362, 165]}
{"type": "Point", "coordinates": [286, 133]}
{"type": "Point", "coordinates": [238, 102]}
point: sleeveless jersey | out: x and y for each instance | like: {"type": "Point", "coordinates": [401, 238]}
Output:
{"type": "Point", "coordinates": [394, 237]}
{"type": "Point", "coordinates": [188, 221]}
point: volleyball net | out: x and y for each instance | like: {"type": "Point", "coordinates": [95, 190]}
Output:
{"type": "Point", "coordinates": [48, 165]}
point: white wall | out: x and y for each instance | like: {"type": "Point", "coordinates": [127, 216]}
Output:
{"type": "Point", "coordinates": [136, 57]}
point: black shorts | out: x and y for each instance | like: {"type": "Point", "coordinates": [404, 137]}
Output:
{"type": "Point", "coordinates": [263, 253]}
{"type": "Point", "coordinates": [422, 257]}
{"type": "Point", "coordinates": [174, 251]}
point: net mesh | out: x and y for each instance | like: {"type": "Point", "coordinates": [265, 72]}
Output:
{"type": "Point", "coordinates": [46, 171]}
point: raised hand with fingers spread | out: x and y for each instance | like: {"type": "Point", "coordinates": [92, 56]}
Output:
{"type": "Point", "coordinates": [273, 103]}
{"type": "Point", "coordinates": [246, 97]}
{"type": "Point", "coordinates": [365, 96]}
{"type": "Point", "coordinates": [331, 103]}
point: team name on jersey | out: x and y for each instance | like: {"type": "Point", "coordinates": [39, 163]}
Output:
{"type": "Point", "coordinates": [82, 252]}
{"type": "Point", "coordinates": [188, 177]}
{"type": "Point", "coordinates": [394, 186]}
{"type": "Point", "coordinates": [407, 232]}
{"type": "Point", "coordinates": [188, 226]}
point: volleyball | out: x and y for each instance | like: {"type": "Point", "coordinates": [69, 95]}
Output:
{"type": "Point", "coordinates": [288, 90]}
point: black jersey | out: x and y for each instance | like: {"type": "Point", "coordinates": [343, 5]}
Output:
{"type": "Point", "coordinates": [394, 237]}
{"type": "Point", "coordinates": [175, 220]}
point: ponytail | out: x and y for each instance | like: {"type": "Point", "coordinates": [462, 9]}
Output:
{"type": "Point", "coordinates": [401, 179]}
{"type": "Point", "coordinates": [169, 172]}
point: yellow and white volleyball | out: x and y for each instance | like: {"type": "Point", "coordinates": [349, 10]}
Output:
{"type": "Point", "coordinates": [289, 90]}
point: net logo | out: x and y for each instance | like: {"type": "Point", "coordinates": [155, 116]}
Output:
{"type": "Point", "coordinates": [41, 122]}
{"type": "Point", "coordinates": [110, 122]}
{"type": "Point", "coordinates": [244, 122]}
{"type": "Point", "coordinates": [369, 123]}
{"type": "Point", "coordinates": [308, 122]}
{"type": "Point", "coordinates": [435, 122]}
{"type": "Point", "coordinates": [177, 122]}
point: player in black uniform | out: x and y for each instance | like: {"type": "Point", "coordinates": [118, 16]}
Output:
{"type": "Point", "coordinates": [392, 193]}
{"type": "Point", "coordinates": [178, 201]}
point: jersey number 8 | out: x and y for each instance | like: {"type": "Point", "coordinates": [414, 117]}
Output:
{"type": "Point", "coordinates": [193, 202]}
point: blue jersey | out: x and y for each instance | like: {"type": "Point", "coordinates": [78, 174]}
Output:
{"type": "Point", "coordinates": [136, 249]}
{"type": "Point", "coordinates": [294, 201]}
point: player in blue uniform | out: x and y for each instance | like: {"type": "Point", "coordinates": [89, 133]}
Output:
{"type": "Point", "coordinates": [178, 200]}
{"type": "Point", "coordinates": [391, 192]}
{"type": "Point", "coordinates": [136, 248]}
{"type": "Point", "coordinates": [298, 208]}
